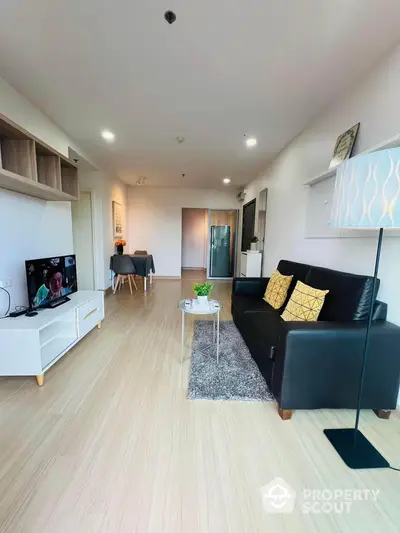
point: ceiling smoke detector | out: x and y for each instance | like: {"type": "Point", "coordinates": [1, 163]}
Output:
{"type": "Point", "coordinates": [180, 140]}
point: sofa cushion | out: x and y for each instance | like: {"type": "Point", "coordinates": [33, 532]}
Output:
{"type": "Point", "coordinates": [349, 294]}
{"type": "Point", "coordinates": [305, 304]}
{"type": "Point", "coordinates": [277, 289]}
{"type": "Point", "coordinates": [244, 304]}
{"type": "Point", "coordinates": [299, 271]}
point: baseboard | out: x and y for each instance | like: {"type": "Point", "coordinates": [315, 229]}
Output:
{"type": "Point", "coordinates": [194, 268]}
{"type": "Point", "coordinates": [168, 277]}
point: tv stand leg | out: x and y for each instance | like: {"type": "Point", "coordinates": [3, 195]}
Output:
{"type": "Point", "coordinates": [40, 380]}
{"type": "Point", "coordinates": [99, 325]}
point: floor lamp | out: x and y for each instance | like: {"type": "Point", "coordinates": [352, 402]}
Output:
{"type": "Point", "coordinates": [367, 196]}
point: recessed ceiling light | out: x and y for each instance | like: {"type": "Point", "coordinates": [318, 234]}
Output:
{"type": "Point", "coordinates": [108, 135]}
{"type": "Point", "coordinates": [226, 180]}
{"type": "Point", "coordinates": [250, 142]}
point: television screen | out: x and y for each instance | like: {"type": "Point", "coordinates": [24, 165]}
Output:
{"type": "Point", "coordinates": [50, 279]}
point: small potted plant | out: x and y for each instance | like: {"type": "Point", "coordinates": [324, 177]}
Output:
{"type": "Point", "coordinates": [120, 243]}
{"type": "Point", "coordinates": [202, 291]}
{"type": "Point", "coordinates": [253, 244]}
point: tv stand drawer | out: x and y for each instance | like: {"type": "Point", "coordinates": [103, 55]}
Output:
{"type": "Point", "coordinates": [89, 315]}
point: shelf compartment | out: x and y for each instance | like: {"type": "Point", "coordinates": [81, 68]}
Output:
{"type": "Point", "coordinates": [69, 179]}
{"type": "Point", "coordinates": [49, 170]}
{"type": "Point", "coordinates": [65, 327]}
{"type": "Point", "coordinates": [15, 183]}
{"type": "Point", "coordinates": [19, 156]}
{"type": "Point", "coordinates": [53, 349]}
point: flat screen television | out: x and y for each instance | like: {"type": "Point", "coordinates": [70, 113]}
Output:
{"type": "Point", "coordinates": [50, 280]}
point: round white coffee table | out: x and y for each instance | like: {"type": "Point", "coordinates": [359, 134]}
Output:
{"type": "Point", "coordinates": [214, 307]}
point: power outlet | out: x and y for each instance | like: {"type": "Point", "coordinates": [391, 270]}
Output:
{"type": "Point", "coordinates": [5, 283]}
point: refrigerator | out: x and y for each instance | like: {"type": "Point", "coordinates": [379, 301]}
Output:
{"type": "Point", "coordinates": [220, 256]}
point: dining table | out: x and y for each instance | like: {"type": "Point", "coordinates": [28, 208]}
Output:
{"type": "Point", "coordinates": [144, 267]}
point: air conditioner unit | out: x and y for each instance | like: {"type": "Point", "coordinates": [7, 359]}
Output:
{"type": "Point", "coordinates": [241, 196]}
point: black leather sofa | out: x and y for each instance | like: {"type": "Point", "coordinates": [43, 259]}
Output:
{"type": "Point", "coordinates": [315, 365]}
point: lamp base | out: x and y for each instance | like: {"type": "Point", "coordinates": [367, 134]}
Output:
{"type": "Point", "coordinates": [357, 455]}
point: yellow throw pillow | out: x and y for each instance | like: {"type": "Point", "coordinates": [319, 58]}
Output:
{"type": "Point", "coordinates": [277, 288]}
{"type": "Point", "coordinates": [305, 304]}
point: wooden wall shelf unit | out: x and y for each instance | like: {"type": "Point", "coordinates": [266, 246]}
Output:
{"type": "Point", "coordinates": [394, 142]}
{"type": "Point", "coordinates": [29, 166]}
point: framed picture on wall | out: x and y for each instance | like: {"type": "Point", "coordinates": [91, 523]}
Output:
{"type": "Point", "coordinates": [344, 146]}
{"type": "Point", "coordinates": [117, 219]}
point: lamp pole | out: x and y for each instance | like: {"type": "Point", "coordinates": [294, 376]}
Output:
{"type": "Point", "coordinates": [367, 334]}
{"type": "Point", "coordinates": [352, 446]}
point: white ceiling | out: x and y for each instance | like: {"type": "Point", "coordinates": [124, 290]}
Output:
{"type": "Point", "coordinates": [222, 70]}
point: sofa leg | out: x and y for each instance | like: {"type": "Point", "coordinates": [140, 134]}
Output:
{"type": "Point", "coordinates": [285, 414]}
{"type": "Point", "coordinates": [381, 413]}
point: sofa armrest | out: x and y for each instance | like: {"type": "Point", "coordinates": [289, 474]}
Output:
{"type": "Point", "coordinates": [249, 286]}
{"type": "Point", "coordinates": [320, 363]}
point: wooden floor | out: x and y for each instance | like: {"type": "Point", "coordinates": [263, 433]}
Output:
{"type": "Point", "coordinates": [111, 444]}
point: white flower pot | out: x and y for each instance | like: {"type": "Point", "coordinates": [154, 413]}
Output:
{"type": "Point", "coordinates": [253, 246]}
{"type": "Point", "coordinates": [203, 301]}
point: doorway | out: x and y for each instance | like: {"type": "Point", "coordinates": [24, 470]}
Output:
{"type": "Point", "coordinates": [194, 240]}
{"type": "Point", "coordinates": [262, 222]}
{"type": "Point", "coordinates": [249, 220]}
{"type": "Point", "coordinates": [222, 243]}
{"type": "Point", "coordinates": [82, 227]}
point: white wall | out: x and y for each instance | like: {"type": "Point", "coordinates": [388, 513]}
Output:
{"type": "Point", "coordinates": [18, 109]}
{"type": "Point", "coordinates": [155, 220]}
{"type": "Point", "coordinates": [374, 102]}
{"type": "Point", "coordinates": [115, 191]}
{"type": "Point", "coordinates": [194, 238]}
{"type": "Point", "coordinates": [30, 228]}
{"type": "Point", "coordinates": [104, 191]}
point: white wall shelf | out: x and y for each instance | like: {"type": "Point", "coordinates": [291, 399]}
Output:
{"type": "Point", "coordinates": [29, 166]}
{"type": "Point", "coordinates": [14, 182]}
{"type": "Point", "coordinates": [394, 142]}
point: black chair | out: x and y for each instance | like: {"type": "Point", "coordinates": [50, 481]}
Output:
{"type": "Point", "coordinates": [124, 269]}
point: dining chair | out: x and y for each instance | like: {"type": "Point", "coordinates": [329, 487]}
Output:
{"type": "Point", "coordinates": [124, 269]}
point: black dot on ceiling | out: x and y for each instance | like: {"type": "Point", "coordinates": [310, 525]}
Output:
{"type": "Point", "coordinates": [170, 17]}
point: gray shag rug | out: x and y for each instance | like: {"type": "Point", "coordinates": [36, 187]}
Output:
{"type": "Point", "coordinates": [236, 377]}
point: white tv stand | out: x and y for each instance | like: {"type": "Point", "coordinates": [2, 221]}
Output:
{"type": "Point", "coordinates": [30, 346]}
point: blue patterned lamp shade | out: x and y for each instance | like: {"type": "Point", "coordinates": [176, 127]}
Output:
{"type": "Point", "coordinates": [367, 191]}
